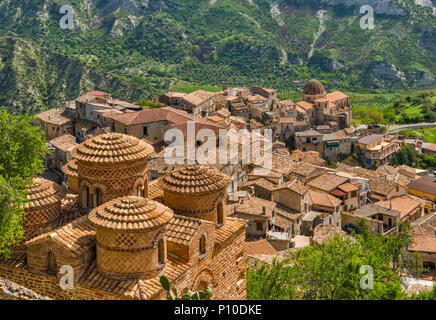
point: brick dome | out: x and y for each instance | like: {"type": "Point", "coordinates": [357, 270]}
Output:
{"type": "Point", "coordinates": [43, 193]}
{"type": "Point", "coordinates": [112, 148]}
{"type": "Point", "coordinates": [195, 180]}
{"type": "Point", "coordinates": [110, 166]}
{"type": "Point", "coordinates": [314, 87]}
{"type": "Point", "coordinates": [70, 169]}
{"type": "Point", "coordinates": [131, 213]}
{"type": "Point", "coordinates": [130, 234]}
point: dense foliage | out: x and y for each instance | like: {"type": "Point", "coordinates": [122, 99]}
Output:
{"type": "Point", "coordinates": [161, 44]}
{"type": "Point", "coordinates": [187, 294]}
{"type": "Point", "coordinates": [335, 269]}
{"type": "Point", "coordinates": [23, 148]}
{"type": "Point", "coordinates": [408, 156]}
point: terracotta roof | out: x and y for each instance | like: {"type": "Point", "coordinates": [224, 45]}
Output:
{"type": "Point", "coordinates": [425, 225]}
{"type": "Point", "coordinates": [431, 147]}
{"type": "Point", "coordinates": [182, 229]}
{"type": "Point", "coordinates": [195, 179]}
{"type": "Point", "coordinates": [155, 191]}
{"type": "Point", "coordinates": [77, 237]}
{"type": "Point", "coordinates": [381, 186]}
{"type": "Point", "coordinates": [133, 289]}
{"type": "Point", "coordinates": [98, 93]}
{"type": "Point", "coordinates": [112, 148]}
{"type": "Point", "coordinates": [327, 182]}
{"type": "Point", "coordinates": [54, 116]}
{"type": "Point", "coordinates": [261, 182]}
{"type": "Point", "coordinates": [295, 185]}
{"type": "Point", "coordinates": [424, 184]}
{"type": "Point", "coordinates": [231, 229]}
{"type": "Point", "coordinates": [131, 213]}
{"type": "Point", "coordinates": [405, 204]}
{"type": "Point", "coordinates": [348, 187]}
{"type": "Point", "coordinates": [198, 97]}
{"type": "Point", "coordinates": [323, 199]}
{"type": "Point", "coordinates": [42, 193]}
{"type": "Point", "coordinates": [260, 247]}
{"type": "Point", "coordinates": [174, 116]}
{"type": "Point", "coordinates": [66, 142]}
{"type": "Point", "coordinates": [337, 193]}
{"type": "Point", "coordinates": [70, 169]}
{"type": "Point", "coordinates": [305, 105]}
{"type": "Point", "coordinates": [425, 243]}
{"type": "Point", "coordinates": [308, 133]}
{"type": "Point", "coordinates": [335, 96]}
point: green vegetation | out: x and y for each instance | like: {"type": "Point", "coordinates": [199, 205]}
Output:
{"type": "Point", "coordinates": [428, 135]}
{"type": "Point", "coordinates": [187, 294]}
{"type": "Point", "coordinates": [23, 149]}
{"type": "Point", "coordinates": [140, 52]}
{"type": "Point", "coordinates": [410, 157]}
{"type": "Point", "coordinates": [334, 270]}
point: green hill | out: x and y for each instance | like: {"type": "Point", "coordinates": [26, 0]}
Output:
{"type": "Point", "coordinates": [157, 44]}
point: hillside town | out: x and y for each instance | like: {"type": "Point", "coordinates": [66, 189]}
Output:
{"type": "Point", "coordinates": [111, 206]}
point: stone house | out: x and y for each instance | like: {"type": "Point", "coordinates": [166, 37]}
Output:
{"type": "Point", "coordinates": [55, 123]}
{"type": "Point", "coordinates": [62, 147]}
{"type": "Point", "coordinates": [376, 149]}
{"type": "Point", "coordinates": [310, 140]}
{"type": "Point", "coordinates": [153, 124]}
{"type": "Point", "coordinates": [337, 145]}
{"type": "Point", "coordinates": [411, 208]}
{"type": "Point", "coordinates": [424, 230]}
{"type": "Point", "coordinates": [199, 103]}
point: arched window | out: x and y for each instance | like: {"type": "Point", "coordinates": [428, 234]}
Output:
{"type": "Point", "coordinates": [220, 213]}
{"type": "Point", "coordinates": [99, 196]}
{"type": "Point", "coordinates": [202, 246]}
{"type": "Point", "coordinates": [161, 251]}
{"type": "Point", "coordinates": [52, 267]}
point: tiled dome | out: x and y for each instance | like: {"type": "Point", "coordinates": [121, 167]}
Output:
{"type": "Point", "coordinates": [313, 87]}
{"type": "Point", "coordinates": [43, 193]}
{"type": "Point", "coordinates": [70, 169]}
{"type": "Point", "coordinates": [131, 213]}
{"type": "Point", "coordinates": [195, 179]}
{"type": "Point", "coordinates": [112, 148]}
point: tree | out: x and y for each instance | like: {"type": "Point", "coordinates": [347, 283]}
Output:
{"type": "Point", "coordinates": [407, 155]}
{"type": "Point", "coordinates": [333, 270]}
{"type": "Point", "coordinates": [23, 148]}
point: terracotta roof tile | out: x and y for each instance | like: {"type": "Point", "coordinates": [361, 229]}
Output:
{"type": "Point", "coordinates": [131, 213]}
{"type": "Point", "coordinates": [260, 247]}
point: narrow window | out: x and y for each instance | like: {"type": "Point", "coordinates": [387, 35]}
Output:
{"type": "Point", "coordinates": [145, 131]}
{"type": "Point", "coordinates": [52, 267]}
{"type": "Point", "coordinates": [220, 213]}
{"type": "Point", "coordinates": [202, 246]}
{"type": "Point", "coordinates": [99, 197]}
{"type": "Point", "coordinates": [161, 252]}
{"type": "Point", "coordinates": [88, 198]}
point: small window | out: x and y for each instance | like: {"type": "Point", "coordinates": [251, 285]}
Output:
{"type": "Point", "coordinates": [161, 252]}
{"type": "Point", "coordinates": [52, 267]}
{"type": "Point", "coordinates": [220, 213]}
{"type": "Point", "coordinates": [259, 226]}
{"type": "Point", "coordinates": [202, 246]}
{"type": "Point", "coordinates": [125, 131]}
{"type": "Point", "coordinates": [145, 131]}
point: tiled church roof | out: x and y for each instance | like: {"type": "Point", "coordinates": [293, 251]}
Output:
{"type": "Point", "coordinates": [42, 193]}
{"type": "Point", "coordinates": [182, 229]}
{"type": "Point", "coordinates": [112, 148]}
{"type": "Point", "coordinates": [195, 179]}
{"type": "Point", "coordinates": [70, 168]}
{"type": "Point", "coordinates": [131, 213]}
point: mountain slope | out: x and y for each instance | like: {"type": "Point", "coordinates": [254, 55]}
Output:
{"type": "Point", "coordinates": [227, 42]}
{"type": "Point", "coordinates": [33, 78]}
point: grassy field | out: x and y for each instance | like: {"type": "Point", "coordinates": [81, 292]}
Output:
{"type": "Point", "coordinates": [187, 87]}
{"type": "Point", "coordinates": [429, 135]}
